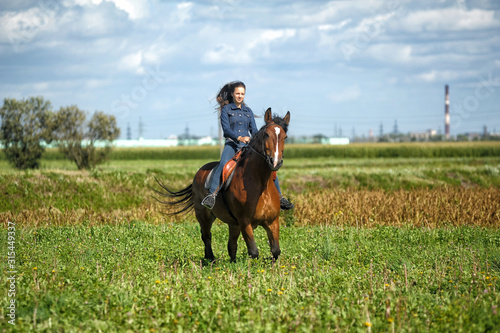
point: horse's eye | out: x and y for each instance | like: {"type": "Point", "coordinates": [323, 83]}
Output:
{"type": "Point", "coordinates": [266, 135]}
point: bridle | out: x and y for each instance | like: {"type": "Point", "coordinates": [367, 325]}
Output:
{"type": "Point", "coordinates": [267, 158]}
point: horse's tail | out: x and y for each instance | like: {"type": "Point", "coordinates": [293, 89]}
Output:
{"type": "Point", "coordinates": [183, 197]}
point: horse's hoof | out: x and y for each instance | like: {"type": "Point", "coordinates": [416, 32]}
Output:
{"type": "Point", "coordinates": [208, 261]}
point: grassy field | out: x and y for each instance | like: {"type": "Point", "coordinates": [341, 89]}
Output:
{"type": "Point", "coordinates": [429, 192]}
{"type": "Point", "coordinates": [391, 241]}
{"type": "Point", "coordinates": [145, 278]}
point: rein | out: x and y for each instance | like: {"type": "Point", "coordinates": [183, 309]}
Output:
{"type": "Point", "coordinates": [268, 160]}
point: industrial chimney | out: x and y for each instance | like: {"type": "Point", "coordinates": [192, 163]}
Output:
{"type": "Point", "coordinates": [446, 112]}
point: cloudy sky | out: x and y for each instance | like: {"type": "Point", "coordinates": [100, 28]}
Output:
{"type": "Point", "coordinates": [339, 67]}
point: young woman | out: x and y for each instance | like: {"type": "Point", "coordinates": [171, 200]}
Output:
{"type": "Point", "coordinates": [238, 124]}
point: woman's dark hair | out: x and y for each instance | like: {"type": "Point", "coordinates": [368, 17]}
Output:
{"type": "Point", "coordinates": [224, 96]}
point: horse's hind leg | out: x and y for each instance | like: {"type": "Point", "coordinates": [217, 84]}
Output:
{"type": "Point", "coordinates": [206, 219]}
{"type": "Point", "coordinates": [232, 244]}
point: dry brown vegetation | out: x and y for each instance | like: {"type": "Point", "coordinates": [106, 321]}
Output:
{"type": "Point", "coordinates": [51, 216]}
{"type": "Point", "coordinates": [368, 192]}
{"type": "Point", "coordinates": [438, 207]}
{"type": "Point", "coordinates": [445, 206]}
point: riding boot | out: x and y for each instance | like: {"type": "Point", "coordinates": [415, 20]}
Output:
{"type": "Point", "coordinates": [285, 204]}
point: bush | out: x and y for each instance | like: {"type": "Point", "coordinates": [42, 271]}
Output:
{"type": "Point", "coordinates": [78, 144]}
{"type": "Point", "coordinates": [25, 126]}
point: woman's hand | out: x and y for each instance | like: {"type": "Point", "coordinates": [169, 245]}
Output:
{"type": "Point", "coordinates": [244, 139]}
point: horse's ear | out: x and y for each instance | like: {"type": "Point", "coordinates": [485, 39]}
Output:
{"type": "Point", "coordinates": [268, 117]}
{"type": "Point", "coordinates": [287, 118]}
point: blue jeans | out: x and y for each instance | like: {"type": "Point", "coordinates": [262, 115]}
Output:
{"type": "Point", "coordinates": [230, 149]}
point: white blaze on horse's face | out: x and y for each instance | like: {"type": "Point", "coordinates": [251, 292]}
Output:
{"type": "Point", "coordinates": [277, 152]}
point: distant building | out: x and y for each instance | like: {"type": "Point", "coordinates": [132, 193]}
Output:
{"type": "Point", "coordinates": [171, 141]}
{"type": "Point", "coordinates": [423, 136]}
{"type": "Point", "coordinates": [338, 141]}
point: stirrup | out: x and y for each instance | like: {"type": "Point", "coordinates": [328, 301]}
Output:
{"type": "Point", "coordinates": [285, 204]}
{"type": "Point", "coordinates": [209, 201]}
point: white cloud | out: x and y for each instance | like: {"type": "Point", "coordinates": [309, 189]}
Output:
{"type": "Point", "coordinates": [183, 13]}
{"type": "Point", "coordinates": [390, 53]}
{"type": "Point", "coordinates": [245, 51]}
{"type": "Point", "coordinates": [444, 75]}
{"type": "Point", "coordinates": [275, 34]}
{"type": "Point", "coordinates": [333, 27]}
{"type": "Point", "coordinates": [103, 48]}
{"type": "Point", "coordinates": [373, 26]}
{"type": "Point", "coordinates": [449, 19]}
{"type": "Point", "coordinates": [260, 43]}
{"type": "Point", "coordinates": [132, 63]}
{"type": "Point", "coordinates": [136, 9]}
{"type": "Point", "coordinates": [97, 83]}
{"type": "Point", "coordinates": [41, 86]}
{"type": "Point", "coordinates": [348, 94]}
{"type": "Point", "coordinates": [82, 2]}
{"type": "Point", "coordinates": [227, 54]}
{"type": "Point", "coordinates": [24, 26]}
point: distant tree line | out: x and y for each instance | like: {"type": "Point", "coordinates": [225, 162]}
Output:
{"type": "Point", "coordinates": [28, 125]}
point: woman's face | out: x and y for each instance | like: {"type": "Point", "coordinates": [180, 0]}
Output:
{"type": "Point", "coordinates": [238, 95]}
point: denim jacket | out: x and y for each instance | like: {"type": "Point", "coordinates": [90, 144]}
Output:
{"type": "Point", "coordinates": [237, 122]}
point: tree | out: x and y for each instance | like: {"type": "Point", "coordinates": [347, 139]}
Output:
{"type": "Point", "coordinates": [25, 128]}
{"type": "Point", "coordinates": [319, 138]}
{"type": "Point", "coordinates": [78, 140]}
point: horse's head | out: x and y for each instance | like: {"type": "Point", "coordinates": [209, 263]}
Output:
{"type": "Point", "coordinates": [272, 137]}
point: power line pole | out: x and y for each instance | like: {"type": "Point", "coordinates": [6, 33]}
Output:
{"type": "Point", "coordinates": [141, 128]}
{"type": "Point", "coordinates": [129, 132]}
{"type": "Point", "coordinates": [446, 112]}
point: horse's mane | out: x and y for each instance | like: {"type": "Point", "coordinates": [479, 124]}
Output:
{"type": "Point", "coordinates": [281, 122]}
{"type": "Point", "coordinates": [258, 137]}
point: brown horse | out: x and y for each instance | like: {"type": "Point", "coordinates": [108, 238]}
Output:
{"type": "Point", "coordinates": [251, 198]}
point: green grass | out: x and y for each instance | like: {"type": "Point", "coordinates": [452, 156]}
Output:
{"type": "Point", "coordinates": [146, 274]}
{"type": "Point", "coordinates": [391, 173]}
{"type": "Point", "coordinates": [356, 150]}
{"type": "Point", "coordinates": [141, 277]}
{"type": "Point", "coordinates": [124, 184]}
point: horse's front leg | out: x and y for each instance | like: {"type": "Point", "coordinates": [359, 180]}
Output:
{"type": "Point", "coordinates": [232, 244]}
{"type": "Point", "coordinates": [273, 233]}
{"type": "Point", "coordinates": [247, 232]}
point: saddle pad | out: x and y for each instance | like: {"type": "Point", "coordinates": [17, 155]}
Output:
{"type": "Point", "coordinates": [208, 181]}
{"type": "Point", "coordinates": [209, 178]}
{"type": "Point", "coordinates": [227, 171]}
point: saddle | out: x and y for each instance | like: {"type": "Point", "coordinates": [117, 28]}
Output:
{"type": "Point", "coordinates": [227, 171]}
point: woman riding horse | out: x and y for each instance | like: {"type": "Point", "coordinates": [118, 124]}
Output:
{"type": "Point", "coordinates": [249, 200]}
{"type": "Point", "coordinates": [238, 123]}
